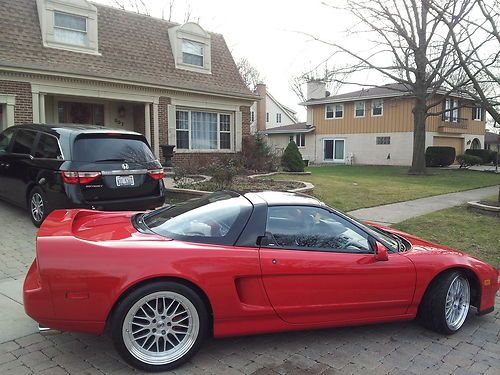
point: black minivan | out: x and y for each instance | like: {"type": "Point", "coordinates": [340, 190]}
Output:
{"type": "Point", "coordinates": [47, 167]}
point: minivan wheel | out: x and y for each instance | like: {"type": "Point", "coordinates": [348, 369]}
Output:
{"type": "Point", "coordinates": [38, 206]}
{"type": "Point", "coordinates": [159, 326]}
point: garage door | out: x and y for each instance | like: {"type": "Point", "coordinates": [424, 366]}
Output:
{"type": "Point", "coordinates": [457, 143]}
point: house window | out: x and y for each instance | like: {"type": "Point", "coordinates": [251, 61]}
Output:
{"type": "Point", "coordinates": [192, 52]}
{"type": "Point", "coordinates": [377, 107]}
{"type": "Point", "coordinates": [383, 140]}
{"type": "Point", "coordinates": [252, 116]}
{"type": "Point", "coordinates": [197, 130]}
{"type": "Point", "coordinates": [334, 111]}
{"type": "Point", "coordinates": [267, 116]}
{"type": "Point", "coordinates": [300, 140]}
{"type": "Point", "coordinates": [278, 118]}
{"type": "Point", "coordinates": [450, 110]}
{"type": "Point", "coordinates": [80, 113]}
{"type": "Point", "coordinates": [359, 109]}
{"type": "Point", "coordinates": [70, 29]}
{"type": "Point", "coordinates": [477, 113]}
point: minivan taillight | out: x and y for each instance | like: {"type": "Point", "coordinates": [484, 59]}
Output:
{"type": "Point", "coordinates": [156, 174]}
{"type": "Point", "coordinates": [83, 178]}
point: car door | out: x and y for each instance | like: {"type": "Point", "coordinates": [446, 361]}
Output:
{"type": "Point", "coordinates": [5, 142]}
{"type": "Point", "coordinates": [18, 167]}
{"type": "Point", "coordinates": [319, 267]}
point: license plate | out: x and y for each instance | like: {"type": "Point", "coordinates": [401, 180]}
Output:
{"type": "Point", "coordinates": [124, 180]}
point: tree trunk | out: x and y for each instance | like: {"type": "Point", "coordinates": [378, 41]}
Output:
{"type": "Point", "coordinates": [419, 117]}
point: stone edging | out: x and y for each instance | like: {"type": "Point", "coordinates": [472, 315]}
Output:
{"type": "Point", "coordinates": [308, 187]}
{"type": "Point", "coordinates": [481, 206]}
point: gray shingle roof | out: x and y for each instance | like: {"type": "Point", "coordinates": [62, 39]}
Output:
{"type": "Point", "coordinates": [300, 127]}
{"type": "Point", "coordinates": [133, 47]}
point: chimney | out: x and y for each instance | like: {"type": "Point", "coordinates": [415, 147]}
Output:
{"type": "Point", "coordinates": [316, 89]}
{"type": "Point", "coordinates": [261, 106]}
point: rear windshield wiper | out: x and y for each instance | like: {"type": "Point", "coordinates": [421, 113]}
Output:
{"type": "Point", "coordinates": [105, 160]}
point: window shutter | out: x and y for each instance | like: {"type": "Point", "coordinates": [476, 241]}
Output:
{"type": "Point", "coordinates": [172, 135]}
{"type": "Point", "coordinates": [482, 113]}
{"type": "Point", "coordinates": [459, 110]}
{"type": "Point", "coordinates": [443, 108]}
{"type": "Point", "coordinates": [238, 131]}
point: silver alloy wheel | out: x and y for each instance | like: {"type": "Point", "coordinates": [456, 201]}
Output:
{"type": "Point", "coordinates": [457, 302]}
{"type": "Point", "coordinates": [161, 328]}
{"type": "Point", "coordinates": [37, 207]}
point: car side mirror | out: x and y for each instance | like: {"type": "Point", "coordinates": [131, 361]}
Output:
{"type": "Point", "coordinates": [381, 253]}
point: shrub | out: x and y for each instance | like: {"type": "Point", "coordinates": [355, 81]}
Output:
{"type": "Point", "coordinates": [468, 160]}
{"type": "Point", "coordinates": [223, 172]}
{"type": "Point", "coordinates": [439, 156]}
{"type": "Point", "coordinates": [257, 155]}
{"type": "Point", "coordinates": [487, 156]}
{"type": "Point", "coordinates": [292, 159]}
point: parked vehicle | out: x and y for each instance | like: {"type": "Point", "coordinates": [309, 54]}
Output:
{"type": "Point", "coordinates": [48, 167]}
{"type": "Point", "coordinates": [230, 264]}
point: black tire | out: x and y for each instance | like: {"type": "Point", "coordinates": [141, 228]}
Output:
{"type": "Point", "coordinates": [38, 195]}
{"type": "Point", "coordinates": [122, 337]}
{"type": "Point", "coordinates": [432, 309]}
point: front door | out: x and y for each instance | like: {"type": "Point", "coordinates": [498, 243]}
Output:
{"type": "Point", "coordinates": [320, 268]}
{"type": "Point", "coordinates": [334, 150]}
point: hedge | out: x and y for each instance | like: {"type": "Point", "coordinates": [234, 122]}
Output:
{"type": "Point", "coordinates": [487, 156]}
{"type": "Point", "coordinates": [439, 156]}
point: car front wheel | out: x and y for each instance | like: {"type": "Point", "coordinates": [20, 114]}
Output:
{"type": "Point", "coordinates": [160, 326]}
{"type": "Point", "coordinates": [446, 304]}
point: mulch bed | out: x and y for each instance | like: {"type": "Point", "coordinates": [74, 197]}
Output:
{"type": "Point", "coordinates": [242, 183]}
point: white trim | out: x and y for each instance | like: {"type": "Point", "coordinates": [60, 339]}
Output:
{"type": "Point", "coordinates": [334, 139]}
{"type": "Point", "coordinates": [147, 122]}
{"type": "Point", "coordinates": [42, 108]}
{"type": "Point", "coordinates": [156, 130]}
{"type": "Point", "coordinates": [372, 107]}
{"type": "Point", "coordinates": [35, 99]}
{"type": "Point", "coordinates": [364, 108]}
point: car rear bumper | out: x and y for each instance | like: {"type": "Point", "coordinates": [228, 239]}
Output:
{"type": "Point", "coordinates": [128, 204]}
{"type": "Point", "coordinates": [38, 305]}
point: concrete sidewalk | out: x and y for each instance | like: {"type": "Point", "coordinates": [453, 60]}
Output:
{"type": "Point", "coordinates": [397, 212]}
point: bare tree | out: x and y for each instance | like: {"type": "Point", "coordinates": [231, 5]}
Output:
{"type": "Point", "coordinates": [138, 6]}
{"type": "Point", "coordinates": [410, 45]}
{"type": "Point", "coordinates": [251, 76]}
{"type": "Point", "coordinates": [476, 41]}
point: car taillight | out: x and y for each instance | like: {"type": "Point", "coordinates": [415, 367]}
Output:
{"type": "Point", "coordinates": [156, 174]}
{"type": "Point", "coordinates": [72, 178]}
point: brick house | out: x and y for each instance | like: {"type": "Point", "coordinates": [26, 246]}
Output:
{"type": "Point", "coordinates": [375, 126]}
{"type": "Point", "coordinates": [72, 61]}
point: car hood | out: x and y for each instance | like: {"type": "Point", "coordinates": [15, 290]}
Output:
{"type": "Point", "coordinates": [93, 225]}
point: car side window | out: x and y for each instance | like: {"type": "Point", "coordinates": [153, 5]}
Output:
{"type": "Point", "coordinates": [23, 142]}
{"type": "Point", "coordinates": [5, 139]}
{"type": "Point", "coordinates": [47, 147]}
{"type": "Point", "coordinates": [314, 228]}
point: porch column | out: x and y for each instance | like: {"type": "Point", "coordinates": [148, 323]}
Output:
{"type": "Point", "coordinates": [147, 122]}
{"type": "Point", "coordinates": [42, 108]}
{"type": "Point", "coordinates": [156, 131]}
{"type": "Point", "coordinates": [36, 107]}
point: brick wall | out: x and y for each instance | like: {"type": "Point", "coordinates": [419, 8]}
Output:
{"type": "Point", "coordinates": [245, 119]}
{"type": "Point", "coordinates": [23, 111]}
{"type": "Point", "coordinates": [163, 122]}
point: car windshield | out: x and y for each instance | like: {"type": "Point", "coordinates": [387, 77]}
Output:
{"type": "Point", "coordinates": [200, 220]}
{"type": "Point", "coordinates": [111, 148]}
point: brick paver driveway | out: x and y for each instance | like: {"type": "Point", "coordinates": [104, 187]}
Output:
{"type": "Point", "coordinates": [397, 348]}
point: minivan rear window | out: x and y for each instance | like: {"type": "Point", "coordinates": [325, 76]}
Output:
{"type": "Point", "coordinates": [112, 147]}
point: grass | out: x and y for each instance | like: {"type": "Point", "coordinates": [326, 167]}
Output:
{"type": "Point", "coordinates": [459, 228]}
{"type": "Point", "coordinates": [351, 187]}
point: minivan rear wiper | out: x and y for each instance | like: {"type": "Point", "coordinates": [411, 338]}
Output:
{"type": "Point", "coordinates": [105, 160]}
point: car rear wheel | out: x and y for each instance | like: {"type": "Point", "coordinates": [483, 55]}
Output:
{"type": "Point", "coordinates": [160, 326]}
{"type": "Point", "coordinates": [38, 206]}
{"type": "Point", "coordinates": [446, 304]}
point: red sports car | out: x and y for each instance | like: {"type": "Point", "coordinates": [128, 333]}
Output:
{"type": "Point", "coordinates": [232, 264]}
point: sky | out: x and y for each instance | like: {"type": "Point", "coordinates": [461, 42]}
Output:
{"type": "Point", "coordinates": [270, 34]}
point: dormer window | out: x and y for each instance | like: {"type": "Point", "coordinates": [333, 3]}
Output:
{"type": "Point", "coordinates": [70, 25]}
{"type": "Point", "coordinates": [70, 29]}
{"type": "Point", "coordinates": [192, 52]}
{"type": "Point", "coordinates": [191, 47]}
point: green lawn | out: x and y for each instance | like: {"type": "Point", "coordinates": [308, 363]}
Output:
{"type": "Point", "coordinates": [351, 187]}
{"type": "Point", "coordinates": [475, 233]}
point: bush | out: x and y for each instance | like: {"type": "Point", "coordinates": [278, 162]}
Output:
{"type": "Point", "coordinates": [224, 171]}
{"type": "Point", "coordinates": [468, 160]}
{"type": "Point", "coordinates": [292, 159]}
{"type": "Point", "coordinates": [439, 156]}
{"type": "Point", "coordinates": [487, 156]}
{"type": "Point", "coordinates": [257, 155]}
